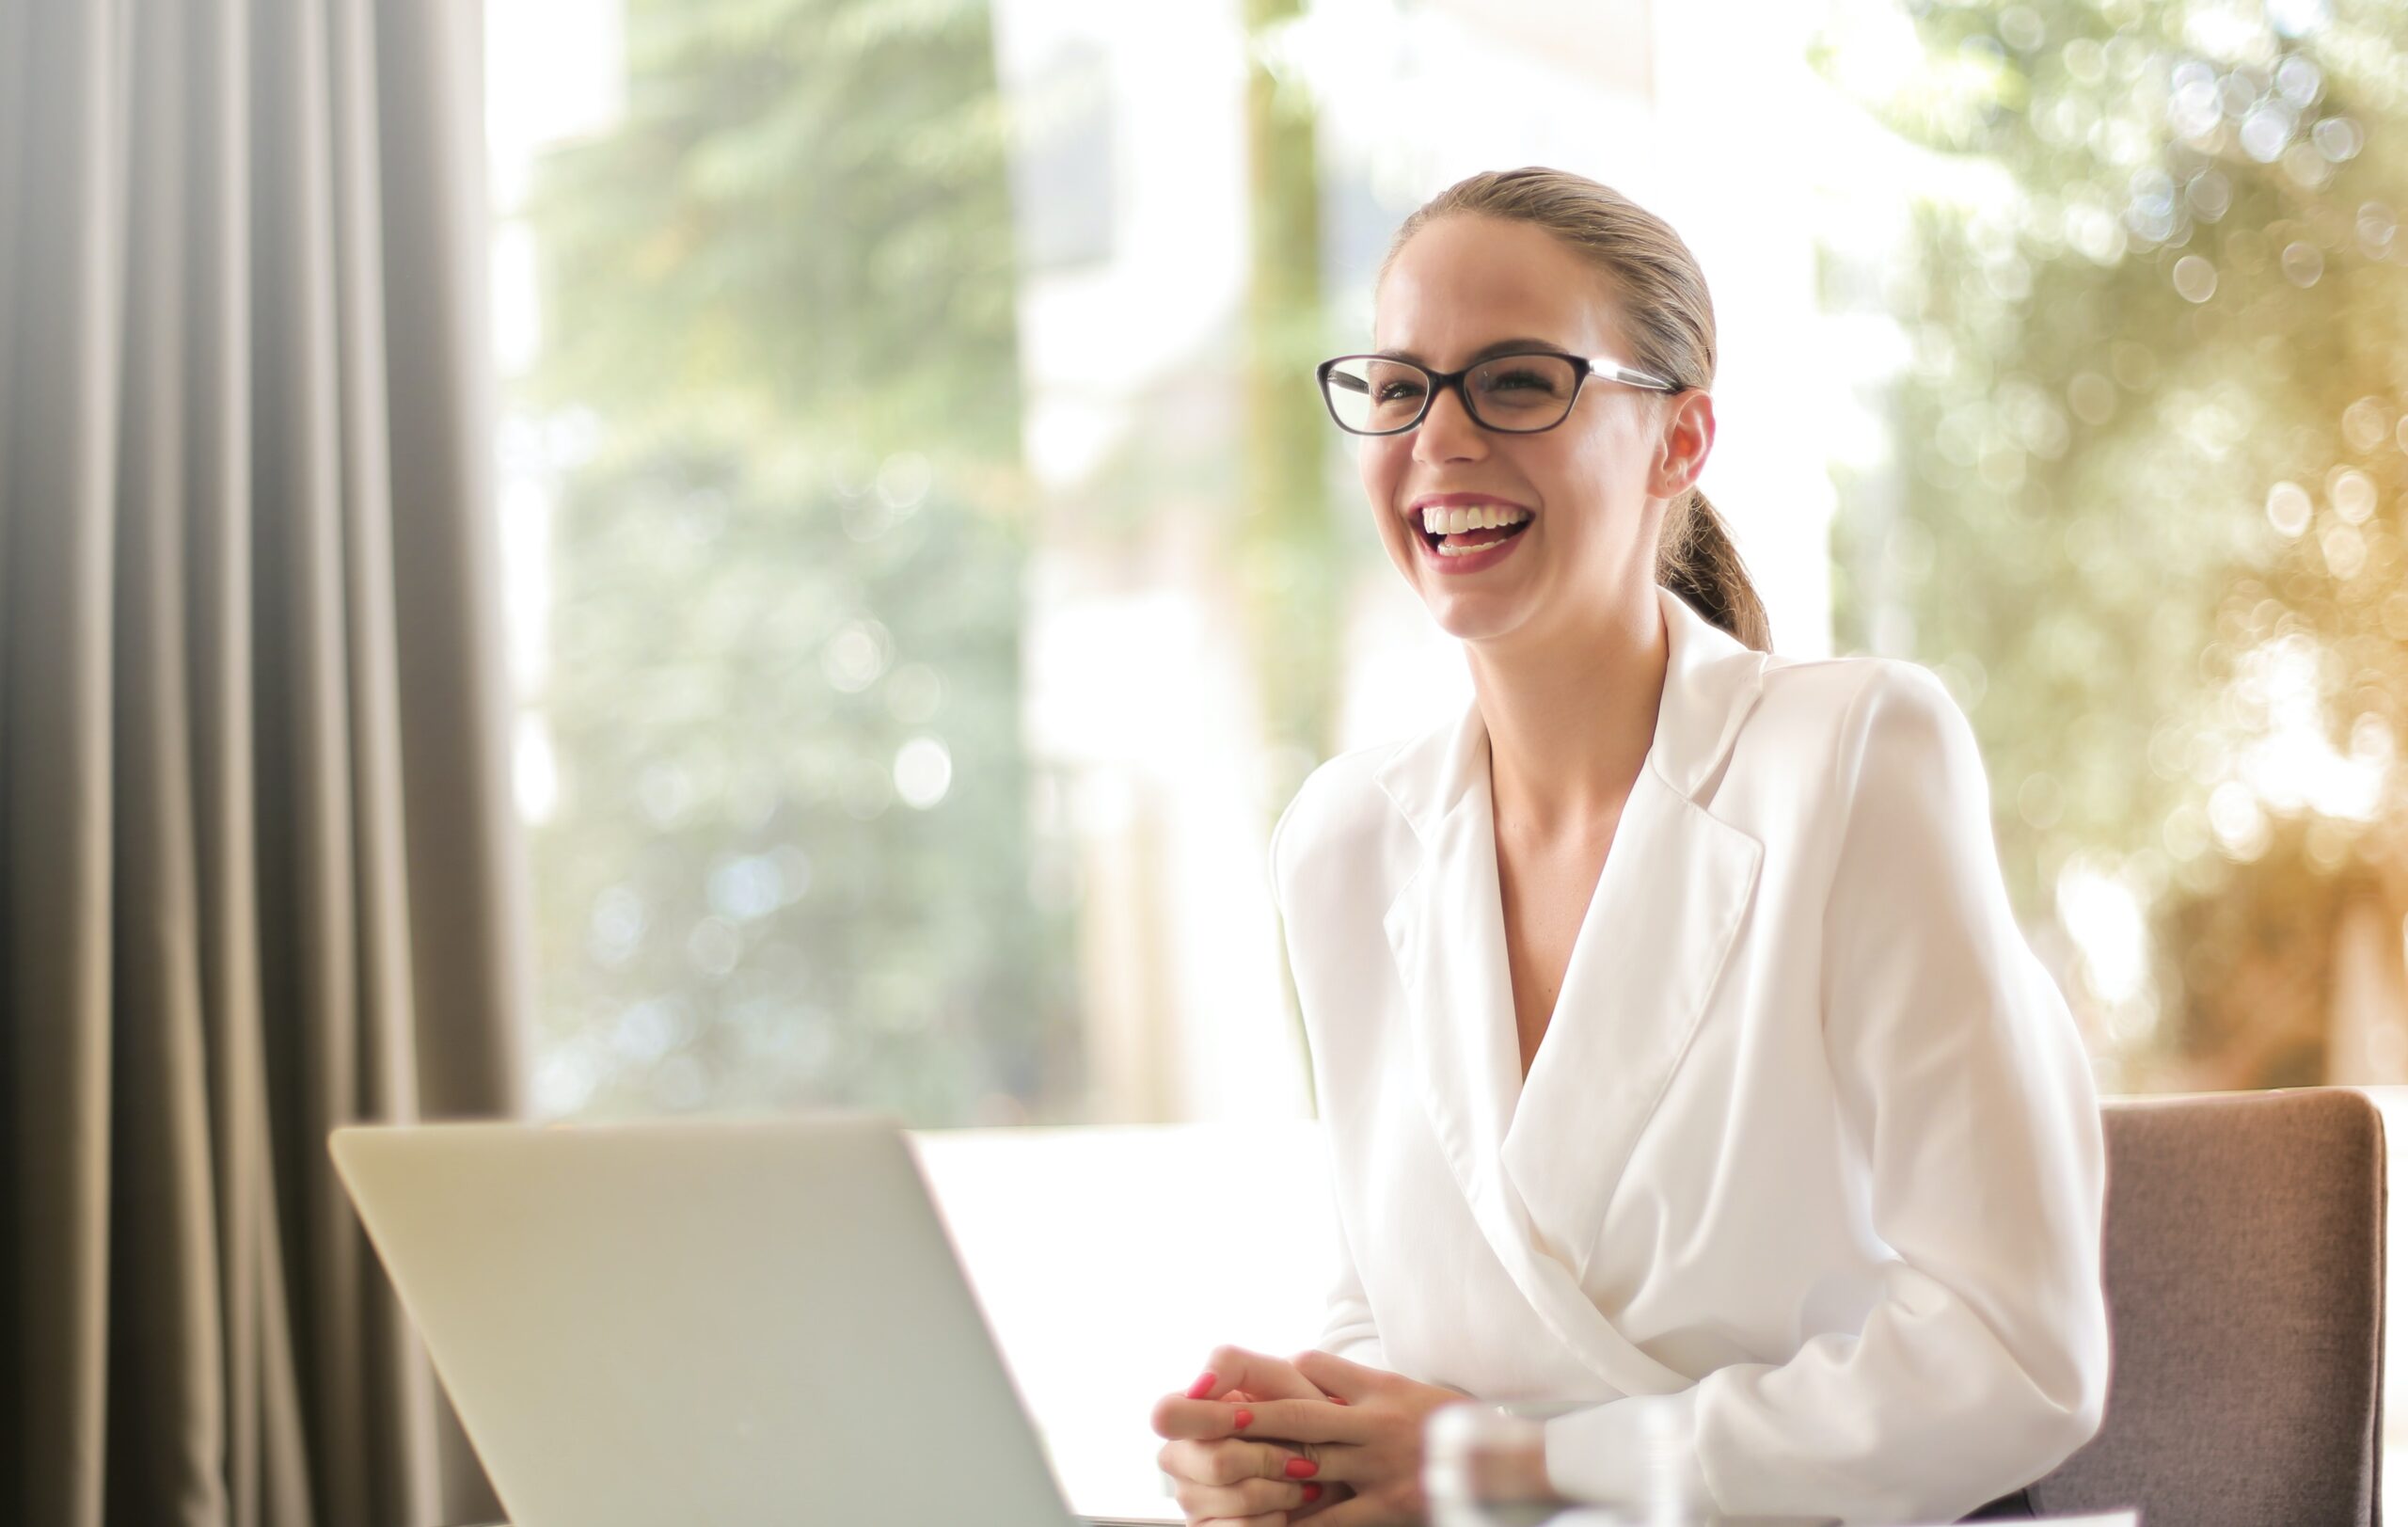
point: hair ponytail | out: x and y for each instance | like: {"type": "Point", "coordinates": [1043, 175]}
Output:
{"type": "Point", "coordinates": [1697, 561]}
{"type": "Point", "coordinates": [1670, 321]}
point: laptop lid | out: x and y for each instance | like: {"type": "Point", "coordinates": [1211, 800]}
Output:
{"type": "Point", "coordinates": [721, 1322]}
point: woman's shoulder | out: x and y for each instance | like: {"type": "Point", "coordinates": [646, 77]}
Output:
{"type": "Point", "coordinates": [1850, 699]}
{"type": "Point", "coordinates": [1836, 727]}
{"type": "Point", "coordinates": [1338, 818]}
{"type": "Point", "coordinates": [1341, 797]}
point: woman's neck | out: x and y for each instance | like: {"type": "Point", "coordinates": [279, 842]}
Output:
{"type": "Point", "coordinates": [1569, 725]}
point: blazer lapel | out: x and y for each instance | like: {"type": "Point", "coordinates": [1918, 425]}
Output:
{"type": "Point", "coordinates": [1656, 935]}
{"type": "Point", "coordinates": [1537, 1162]}
{"type": "Point", "coordinates": [1443, 930]}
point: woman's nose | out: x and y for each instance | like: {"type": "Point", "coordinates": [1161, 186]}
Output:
{"type": "Point", "coordinates": [1446, 432]}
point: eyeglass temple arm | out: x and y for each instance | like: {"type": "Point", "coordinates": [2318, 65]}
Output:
{"type": "Point", "coordinates": [1620, 373]}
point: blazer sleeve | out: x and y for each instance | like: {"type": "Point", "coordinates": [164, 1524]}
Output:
{"type": "Point", "coordinates": [1347, 1330]}
{"type": "Point", "coordinates": [1966, 1102]}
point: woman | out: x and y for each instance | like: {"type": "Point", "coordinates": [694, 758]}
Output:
{"type": "Point", "coordinates": [1677, 1048]}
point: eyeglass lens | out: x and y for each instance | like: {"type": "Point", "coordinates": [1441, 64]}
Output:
{"type": "Point", "coordinates": [1375, 396]}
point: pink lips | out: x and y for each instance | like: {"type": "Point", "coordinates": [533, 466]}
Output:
{"type": "Point", "coordinates": [1469, 562]}
{"type": "Point", "coordinates": [1475, 561]}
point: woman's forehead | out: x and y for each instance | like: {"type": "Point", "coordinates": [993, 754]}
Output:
{"type": "Point", "coordinates": [1463, 283]}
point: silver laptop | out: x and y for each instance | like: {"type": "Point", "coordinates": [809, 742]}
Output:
{"type": "Point", "coordinates": [736, 1322]}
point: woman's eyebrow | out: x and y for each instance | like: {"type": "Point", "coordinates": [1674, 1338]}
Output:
{"type": "Point", "coordinates": [1496, 347]}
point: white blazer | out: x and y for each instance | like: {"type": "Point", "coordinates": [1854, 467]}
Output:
{"type": "Point", "coordinates": [1808, 1167]}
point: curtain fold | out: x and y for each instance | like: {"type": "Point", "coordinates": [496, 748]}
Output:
{"type": "Point", "coordinates": [258, 875]}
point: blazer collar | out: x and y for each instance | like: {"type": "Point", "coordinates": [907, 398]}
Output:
{"type": "Point", "coordinates": [1537, 1160]}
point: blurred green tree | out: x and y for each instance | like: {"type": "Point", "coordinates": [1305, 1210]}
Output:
{"type": "Point", "coordinates": [2147, 519]}
{"type": "Point", "coordinates": [791, 860]}
{"type": "Point", "coordinates": [1293, 563]}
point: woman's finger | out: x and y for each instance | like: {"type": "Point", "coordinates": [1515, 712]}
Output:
{"type": "Point", "coordinates": [1259, 1374]}
{"type": "Point", "coordinates": [1227, 1463]}
{"type": "Point", "coordinates": [1233, 1415]}
{"type": "Point", "coordinates": [1296, 1420]}
{"type": "Point", "coordinates": [1337, 1377]}
{"type": "Point", "coordinates": [1354, 1512]}
{"type": "Point", "coordinates": [1177, 1416]}
{"type": "Point", "coordinates": [1248, 1498]}
{"type": "Point", "coordinates": [1332, 1494]}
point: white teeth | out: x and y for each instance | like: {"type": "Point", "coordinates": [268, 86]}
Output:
{"type": "Point", "coordinates": [1437, 520]}
{"type": "Point", "coordinates": [1468, 550]}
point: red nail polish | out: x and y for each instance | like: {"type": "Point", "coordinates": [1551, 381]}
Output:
{"type": "Point", "coordinates": [1202, 1386]}
{"type": "Point", "coordinates": [1312, 1493]}
{"type": "Point", "coordinates": [1245, 1419]}
{"type": "Point", "coordinates": [1302, 1468]}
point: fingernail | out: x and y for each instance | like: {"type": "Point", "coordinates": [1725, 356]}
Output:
{"type": "Point", "coordinates": [1203, 1386]}
{"type": "Point", "coordinates": [1302, 1468]}
{"type": "Point", "coordinates": [1245, 1419]}
{"type": "Point", "coordinates": [1312, 1493]}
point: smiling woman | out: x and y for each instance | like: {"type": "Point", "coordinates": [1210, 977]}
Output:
{"type": "Point", "coordinates": [1668, 951]}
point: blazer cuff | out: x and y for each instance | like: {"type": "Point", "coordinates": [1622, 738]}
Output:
{"type": "Point", "coordinates": [1634, 1452]}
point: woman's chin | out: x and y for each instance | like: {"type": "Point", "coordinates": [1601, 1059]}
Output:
{"type": "Point", "coordinates": [1473, 619]}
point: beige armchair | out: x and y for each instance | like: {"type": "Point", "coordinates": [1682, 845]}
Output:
{"type": "Point", "coordinates": [2244, 1263]}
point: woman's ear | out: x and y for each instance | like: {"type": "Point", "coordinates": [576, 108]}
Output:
{"type": "Point", "coordinates": [1683, 445]}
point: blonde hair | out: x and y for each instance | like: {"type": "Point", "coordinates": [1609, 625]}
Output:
{"type": "Point", "coordinates": [1671, 322]}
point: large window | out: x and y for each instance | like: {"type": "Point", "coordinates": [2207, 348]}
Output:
{"type": "Point", "coordinates": [765, 408]}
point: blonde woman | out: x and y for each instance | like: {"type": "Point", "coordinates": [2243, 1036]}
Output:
{"type": "Point", "coordinates": [1679, 1056]}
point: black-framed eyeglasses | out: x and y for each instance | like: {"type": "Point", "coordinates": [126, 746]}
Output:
{"type": "Point", "coordinates": [1517, 394]}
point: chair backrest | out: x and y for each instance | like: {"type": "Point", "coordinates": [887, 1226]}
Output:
{"type": "Point", "coordinates": [2244, 1253]}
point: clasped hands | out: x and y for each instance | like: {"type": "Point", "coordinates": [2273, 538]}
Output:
{"type": "Point", "coordinates": [1262, 1442]}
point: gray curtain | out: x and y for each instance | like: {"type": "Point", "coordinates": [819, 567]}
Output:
{"type": "Point", "coordinates": [258, 871]}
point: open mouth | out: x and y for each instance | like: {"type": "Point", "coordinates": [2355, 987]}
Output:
{"type": "Point", "coordinates": [1457, 543]}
